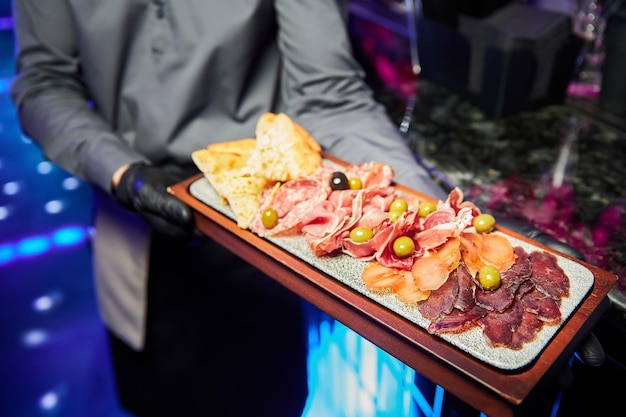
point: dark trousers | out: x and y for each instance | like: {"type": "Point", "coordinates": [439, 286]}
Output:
{"type": "Point", "coordinates": [222, 339]}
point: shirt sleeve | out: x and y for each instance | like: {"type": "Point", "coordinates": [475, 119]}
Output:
{"type": "Point", "coordinates": [52, 102]}
{"type": "Point", "coordinates": [324, 90]}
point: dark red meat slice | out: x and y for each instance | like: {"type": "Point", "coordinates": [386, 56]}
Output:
{"type": "Point", "coordinates": [546, 308]}
{"type": "Point", "coordinates": [526, 331]}
{"type": "Point", "coordinates": [548, 276]}
{"type": "Point", "coordinates": [441, 301]}
{"type": "Point", "coordinates": [500, 299]}
{"type": "Point", "coordinates": [465, 298]}
{"type": "Point", "coordinates": [498, 328]}
{"type": "Point", "coordinates": [457, 321]}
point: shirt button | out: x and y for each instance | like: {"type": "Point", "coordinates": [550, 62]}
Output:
{"type": "Point", "coordinates": [160, 13]}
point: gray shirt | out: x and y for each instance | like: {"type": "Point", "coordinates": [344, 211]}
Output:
{"type": "Point", "coordinates": [103, 83]}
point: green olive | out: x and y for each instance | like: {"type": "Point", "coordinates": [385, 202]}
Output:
{"type": "Point", "coordinates": [426, 207]}
{"type": "Point", "coordinates": [355, 183]}
{"type": "Point", "coordinates": [394, 215]}
{"type": "Point", "coordinates": [399, 204]}
{"type": "Point", "coordinates": [484, 223]}
{"type": "Point", "coordinates": [361, 234]}
{"type": "Point", "coordinates": [489, 277]}
{"type": "Point", "coordinates": [269, 218]}
{"type": "Point", "coordinates": [403, 246]}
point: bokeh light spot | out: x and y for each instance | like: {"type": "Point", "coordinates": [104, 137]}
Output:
{"type": "Point", "coordinates": [71, 183]}
{"type": "Point", "coordinates": [44, 167]}
{"type": "Point", "coordinates": [11, 188]}
{"type": "Point", "coordinates": [35, 338]}
{"type": "Point", "coordinates": [54, 206]}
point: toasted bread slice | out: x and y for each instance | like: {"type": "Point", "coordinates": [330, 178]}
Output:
{"type": "Point", "coordinates": [284, 150]}
{"type": "Point", "coordinates": [222, 164]}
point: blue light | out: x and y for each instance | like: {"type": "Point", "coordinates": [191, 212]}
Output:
{"type": "Point", "coordinates": [5, 85]}
{"type": "Point", "coordinates": [33, 246]}
{"type": "Point", "coordinates": [69, 236]}
{"type": "Point", "coordinates": [7, 254]}
{"type": "Point", "coordinates": [38, 245]}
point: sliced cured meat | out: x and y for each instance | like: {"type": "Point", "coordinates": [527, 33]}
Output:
{"type": "Point", "coordinates": [407, 291]}
{"type": "Point", "coordinates": [520, 270]}
{"type": "Point", "coordinates": [380, 278]}
{"type": "Point", "coordinates": [436, 235]}
{"type": "Point", "coordinates": [497, 300]}
{"type": "Point", "coordinates": [389, 232]}
{"type": "Point", "coordinates": [526, 331]}
{"type": "Point", "coordinates": [441, 225]}
{"type": "Point", "coordinates": [432, 270]}
{"type": "Point", "coordinates": [457, 321]}
{"type": "Point", "coordinates": [496, 250]}
{"type": "Point", "coordinates": [292, 200]}
{"type": "Point", "coordinates": [545, 307]}
{"type": "Point", "coordinates": [320, 219]}
{"type": "Point", "coordinates": [479, 250]}
{"type": "Point", "coordinates": [455, 200]}
{"type": "Point", "coordinates": [511, 279]}
{"type": "Point", "coordinates": [548, 276]}
{"type": "Point", "coordinates": [443, 215]}
{"type": "Point", "coordinates": [332, 239]}
{"type": "Point", "coordinates": [363, 251]}
{"type": "Point", "coordinates": [465, 298]}
{"type": "Point", "coordinates": [371, 174]}
{"type": "Point", "coordinates": [440, 301]}
{"type": "Point", "coordinates": [498, 328]}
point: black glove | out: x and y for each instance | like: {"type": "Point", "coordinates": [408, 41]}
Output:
{"type": "Point", "coordinates": [590, 351]}
{"type": "Point", "coordinates": [143, 189]}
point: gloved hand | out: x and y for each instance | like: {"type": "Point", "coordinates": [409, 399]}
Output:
{"type": "Point", "coordinates": [590, 352]}
{"type": "Point", "coordinates": [143, 189]}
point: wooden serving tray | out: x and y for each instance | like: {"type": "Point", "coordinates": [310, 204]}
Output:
{"type": "Point", "coordinates": [495, 381]}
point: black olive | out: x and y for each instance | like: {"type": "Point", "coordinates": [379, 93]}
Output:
{"type": "Point", "coordinates": [339, 181]}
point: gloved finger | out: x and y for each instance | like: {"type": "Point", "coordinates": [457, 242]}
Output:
{"type": "Point", "coordinates": [590, 352]}
{"type": "Point", "coordinates": [164, 205]}
{"type": "Point", "coordinates": [167, 228]}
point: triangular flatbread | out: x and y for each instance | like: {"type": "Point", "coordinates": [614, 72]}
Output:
{"type": "Point", "coordinates": [222, 165]}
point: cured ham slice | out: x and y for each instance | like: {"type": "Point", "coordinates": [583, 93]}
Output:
{"type": "Point", "coordinates": [486, 249]}
{"type": "Point", "coordinates": [431, 272]}
{"type": "Point", "coordinates": [455, 200]}
{"type": "Point", "coordinates": [386, 235]}
{"type": "Point", "coordinates": [379, 278]}
{"type": "Point", "coordinates": [407, 291]}
{"type": "Point", "coordinates": [371, 174]}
